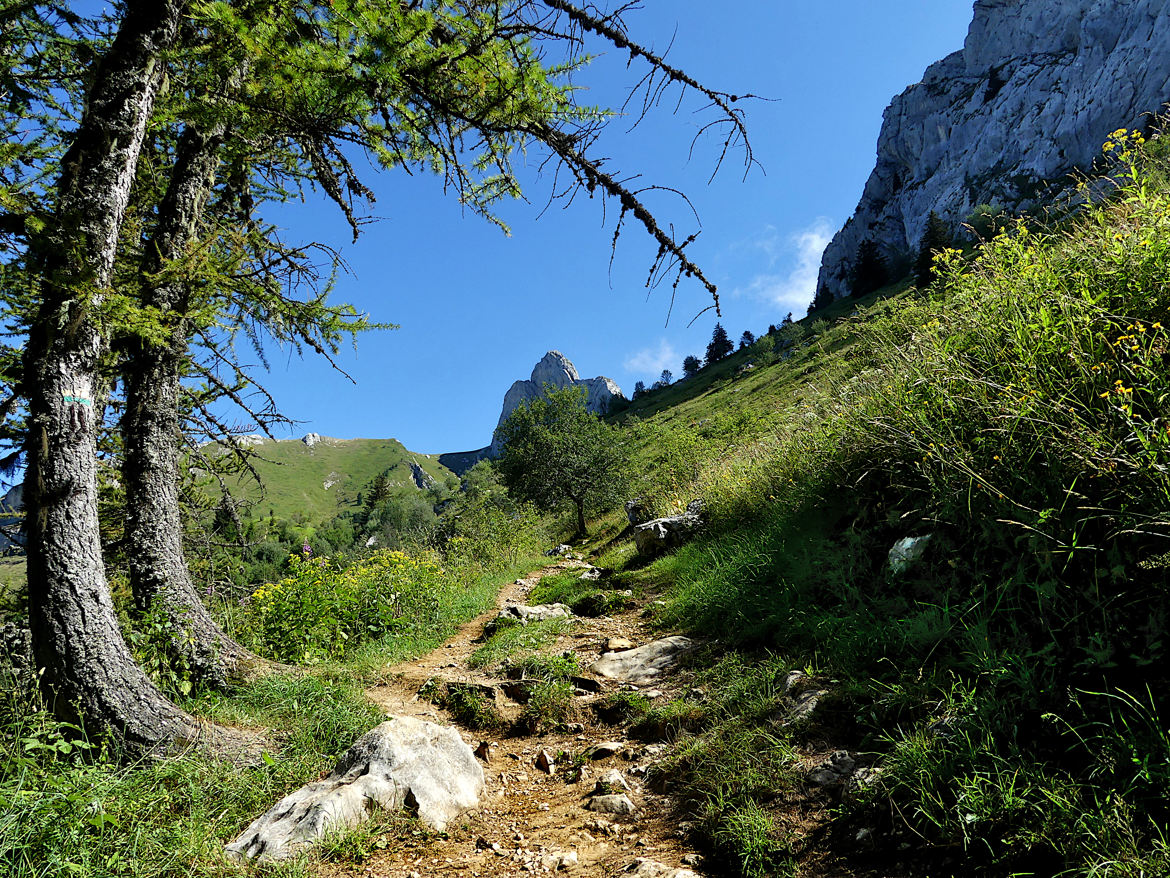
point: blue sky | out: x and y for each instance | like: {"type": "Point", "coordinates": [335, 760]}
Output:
{"type": "Point", "coordinates": [477, 309]}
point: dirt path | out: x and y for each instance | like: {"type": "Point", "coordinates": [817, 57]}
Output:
{"type": "Point", "coordinates": [531, 820]}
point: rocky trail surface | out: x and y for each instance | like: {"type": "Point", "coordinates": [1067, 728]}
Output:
{"type": "Point", "coordinates": [536, 814]}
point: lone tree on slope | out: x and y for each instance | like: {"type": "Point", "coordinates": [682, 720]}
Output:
{"type": "Point", "coordinates": [719, 346]}
{"type": "Point", "coordinates": [558, 454]}
{"type": "Point", "coordinates": [691, 366]}
{"type": "Point", "coordinates": [747, 339]}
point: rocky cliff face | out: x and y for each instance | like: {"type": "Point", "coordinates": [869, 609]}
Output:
{"type": "Point", "coordinates": [557, 371]}
{"type": "Point", "coordinates": [1030, 98]}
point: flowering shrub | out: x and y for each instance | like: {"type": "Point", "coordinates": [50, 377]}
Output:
{"type": "Point", "coordinates": [322, 610]}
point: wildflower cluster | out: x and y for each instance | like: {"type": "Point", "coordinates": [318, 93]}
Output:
{"type": "Point", "coordinates": [322, 610]}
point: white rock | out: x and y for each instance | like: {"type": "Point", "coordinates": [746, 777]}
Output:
{"type": "Point", "coordinates": [614, 804]}
{"type": "Point", "coordinates": [644, 868]}
{"type": "Point", "coordinates": [644, 664]}
{"type": "Point", "coordinates": [539, 613]}
{"type": "Point", "coordinates": [908, 550]}
{"type": "Point", "coordinates": [558, 861]}
{"type": "Point", "coordinates": [402, 762]}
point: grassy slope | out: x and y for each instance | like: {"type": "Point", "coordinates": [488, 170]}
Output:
{"type": "Point", "coordinates": [1010, 688]}
{"type": "Point", "coordinates": [295, 476]}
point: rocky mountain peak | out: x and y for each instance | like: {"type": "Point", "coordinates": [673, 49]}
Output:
{"type": "Point", "coordinates": [557, 371]}
{"type": "Point", "coordinates": [555, 368]}
{"type": "Point", "coordinates": [1029, 99]}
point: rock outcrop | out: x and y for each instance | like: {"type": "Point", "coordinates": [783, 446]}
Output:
{"type": "Point", "coordinates": [557, 371]}
{"type": "Point", "coordinates": [1030, 99]}
{"type": "Point", "coordinates": [644, 664]}
{"type": "Point", "coordinates": [422, 479]}
{"type": "Point", "coordinates": [404, 762]}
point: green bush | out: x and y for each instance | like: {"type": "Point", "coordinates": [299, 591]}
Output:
{"type": "Point", "coordinates": [323, 611]}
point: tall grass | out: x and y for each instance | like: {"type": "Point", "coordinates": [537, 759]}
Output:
{"type": "Point", "coordinates": [1016, 412]}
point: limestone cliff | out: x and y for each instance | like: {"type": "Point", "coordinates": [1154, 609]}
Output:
{"type": "Point", "coordinates": [1029, 99]}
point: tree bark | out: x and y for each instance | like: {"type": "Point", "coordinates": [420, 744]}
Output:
{"type": "Point", "coordinates": [151, 432]}
{"type": "Point", "coordinates": [88, 671]}
{"type": "Point", "coordinates": [580, 503]}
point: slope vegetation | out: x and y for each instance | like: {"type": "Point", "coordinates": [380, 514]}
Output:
{"type": "Point", "coordinates": [314, 483]}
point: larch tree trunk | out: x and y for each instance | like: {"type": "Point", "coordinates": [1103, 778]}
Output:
{"type": "Point", "coordinates": [88, 671]}
{"type": "Point", "coordinates": [159, 575]}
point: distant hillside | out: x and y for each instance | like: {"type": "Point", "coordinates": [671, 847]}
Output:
{"type": "Point", "coordinates": [315, 478]}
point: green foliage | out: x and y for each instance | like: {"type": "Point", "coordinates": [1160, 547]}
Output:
{"type": "Point", "coordinates": [549, 668]}
{"type": "Point", "coordinates": [550, 705]}
{"type": "Point", "coordinates": [1016, 411]}
{"type": "Point", "coordinates": [68, 808]}
{"type": "Point", "coordinates": [870, 272]}
{"type": "Point", "coordinates": [322, 611]}
{"type": "Point", "coordinates": [936, 238]}
{"type": "Point", "coordinates": [691, 365]}
{"type": "Point", "coordinates": [557, 454]}
{"type": "Point", "coordinates": [986, 221]}
{"type": "Point", "coordinates": [157, 644]}
{"type": "Point", "coordinates": [515, 642]}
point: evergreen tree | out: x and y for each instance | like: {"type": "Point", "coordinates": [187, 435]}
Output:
{"type": "Point", "coordinates": [747, 339]}
{"type": "Point", "coordinates": [639, 389]}
{"type": "Point", "coordinates": [936, 237]}
{"type": "Point", "coordinates": [664, 380]}
{"type": "Point", "coordinates": [822, 299]}
{"type": "Point", "coordinates": [869, 271]}
{"type": "Point", "coordinates": [691, 365]}
{"type": "Point", "coordinates": [720, 345]}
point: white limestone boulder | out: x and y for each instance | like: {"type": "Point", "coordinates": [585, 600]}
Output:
{"type": "Point", "coordinates": [644, 664]}
{"type": "Point", "coordinates": [402, 763]}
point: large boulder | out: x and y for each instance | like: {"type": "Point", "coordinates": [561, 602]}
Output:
{"type": "Point", "coordinates": [404, 762]}
{"type": "Point", "coordinates": [644, 664]}
{"type": "Point", "coordinates": [661, 534]}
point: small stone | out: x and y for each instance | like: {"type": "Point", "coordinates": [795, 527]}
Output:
{"type": "Point", "coordinates": [618, 644]}
{"type": "Point", "coordinates": [558, 861]}
{"type": "Point", "coordinates": [604, 750]}
{"type": "Point", "coordinates": [611, 782]}
{"type": "Point", "coordinates": [545, 762]}
{"type": "Point", "coordinates": [612, 804]}
{"type": "Point", "coordinates": [644, 868]}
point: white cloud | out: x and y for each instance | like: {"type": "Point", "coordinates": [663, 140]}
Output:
{"type": "Point", "coordinates": [651, 361]}
{"type": "Point", "coordinates": [793, 291]}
